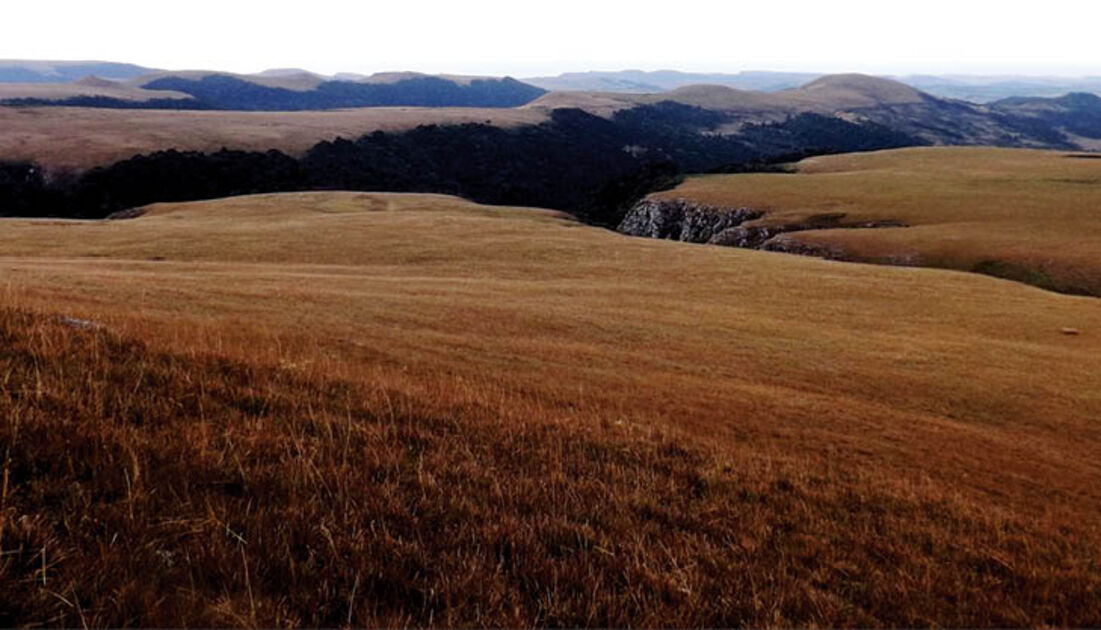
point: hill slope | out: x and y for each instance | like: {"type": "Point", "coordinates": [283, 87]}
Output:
{"type": "Point", "coordinates": [287, 92]}
{"type": "Point", "coordinates": [637, 81]}
{"type": "Point", "coordinates": [854, 91]}
{"type": "Point", "coordinates": [971, 88]}
{"type": "Point", "coordinates": [41, 71]}
{"type": "Point", "coordinates": [1026, 215]}
{"type": "Point", "coordinates": [861, 98]}
{"type": "Point", "coordinates": [60, 137]}
{"type": "Point", "coordinates": [333, 408]}
{"type": "Point", "coordinates": [91, 89]}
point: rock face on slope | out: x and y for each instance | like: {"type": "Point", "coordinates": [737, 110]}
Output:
{"type": "Point", "coordinates": [683, 220]}
{"type": "Point", "coordinates": [692, 222]}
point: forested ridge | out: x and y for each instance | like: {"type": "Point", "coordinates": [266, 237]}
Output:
{"type": "Point", "coordinates": [577, 162]}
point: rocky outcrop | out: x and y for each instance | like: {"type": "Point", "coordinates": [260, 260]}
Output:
{"type": "Point", "coordinates": [692, 222]}
{"type": "Point", "coordinates": [683, 220]}
{"type": "Point", "coordinates": [746, 237]}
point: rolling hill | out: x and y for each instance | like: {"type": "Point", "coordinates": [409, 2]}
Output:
{"type": "Point", "coordinates": [972, 88]}
{"type": "Point", "coordinates": [62, 138]}
{"type": "Point", "coordinates": [367, 409]}
{"type": "Point", "coordinates": [1031, 216]}
{"type": "Point", "coordinates": [827, 94]}
{"type": "Point", "coordinates": [41, 71]}
{"type": "Point", "coordinates": [638, 81]}
{"type": "Point", "coordinates": [278, 91]}
{"type": "Point", "coordinates": [92, 88]}
{"type": "Point", "coordinates": [878, 101]}
{"type": "Point", "coordinates": [1071, 122]}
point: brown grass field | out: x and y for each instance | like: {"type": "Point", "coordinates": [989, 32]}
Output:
{"type": "Point", "coordinates": [349, 409]}
{"type": "Point", "coordinates": [89, 87]}
{"type": "Point", "coordinates": [825, 95]}
{"type": "Point", "coordinates": [1032, 216]}
{"type": "Point", "coordinates": [80, 138]}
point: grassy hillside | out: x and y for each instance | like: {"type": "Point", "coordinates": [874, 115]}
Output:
{"type": "Point", "coordinates": [63, 137]}
{"type": "Point", "coordinates": [367, 409]}
{"type": "Point", "coordinates": [1026, 215]}
{"type": "Point", "coordinates": [823, 95]}
{"type": "Point", "coordinates": [88, 87]}
{"type": "Point", "coordinates": [1072, 122]}
{"type": "Point", "coordinates": [44, 71]}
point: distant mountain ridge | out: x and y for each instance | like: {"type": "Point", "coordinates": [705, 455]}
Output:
{"type": "Point", "coordinates": [977, 89]}
{"type": "Point", "coordinates": [276, 90]}
{"type": "Point", "coordinates": [1070, 121]}
{"type": "Point", "coordinates": [33, 71]}
{"type": "Point", "coordinates": [640, 81]}
{"type": "Point", "coordinates": [232, 93]}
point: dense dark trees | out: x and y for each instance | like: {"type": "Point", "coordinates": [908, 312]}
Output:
{"type": "Point", "coordinates": [108, 102]}
{"type": "Point", "coordinates": [590, 166]}
{"type": "Point", "coordinates": [23, 190]}
{"type": "Point", "coordinates": [225, 92]}
{"type": "Point", "coordinates": [1077, 113]}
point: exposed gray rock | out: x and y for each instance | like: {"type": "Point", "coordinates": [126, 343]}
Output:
{"type": "Point", "coordinates": [746, 237]}
{"type": "Point", "coordinates": [130, 213]}
{"type": "Point", "coordinates": [79, 324]}
{"type": "Point", "coordinates": [683, 220]}
{"type": "Point", "coordinates": [792, 246]}
{"type": "Point", "coordinates": [692, 222]}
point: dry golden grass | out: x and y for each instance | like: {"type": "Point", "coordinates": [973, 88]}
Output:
{"type": "Point", "coordinates": [1033, 216]}
{"type": "Point", "coordinates": [70, 137]}
{"type": "Point", "coordinates": [88, 87]}
{"type": "Point", "coordinates": [824, 95]}
{"type": "Point", "coordinates": [347, 408]}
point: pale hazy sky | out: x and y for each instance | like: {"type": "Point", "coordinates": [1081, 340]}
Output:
{"type": "Point", "coordinates": [524, 38]}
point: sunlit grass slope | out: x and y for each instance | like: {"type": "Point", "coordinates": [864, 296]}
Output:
{"type": "Point", "coordinates": [84, 137]}
{"type": "Point", "coordinates": [1033, 216]}
{"type": "Point", "coordinates": [366, 409]}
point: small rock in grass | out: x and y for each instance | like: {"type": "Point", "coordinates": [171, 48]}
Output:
{"type": "Point", "coordinates": [80, 324]}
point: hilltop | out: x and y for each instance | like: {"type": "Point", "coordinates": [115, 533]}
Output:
{"type": "Point", "coordinates": [972, 88]}
{"type": "Point", "coordinates": [279, 90]}
{"type": "Point", "coordinates": [42, 71]}
{"type": "Point", "coordinates": [638, 81]}
{"type": "Point", "coordinates": [845, 91]}
{"type": "Point", "coordinates": [289, 407]}
{"type": "Point", "coordinates": [876, 101]}
{"type": "Point", "coordinates": [887, 106]}
{"type": "Point", "coordinates": [825, 94]}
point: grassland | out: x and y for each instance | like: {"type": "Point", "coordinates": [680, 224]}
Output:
{"type": "Point", "coordinates": [59, 91]}
{"type": "Point", "coordinates": [823, 95]}
{"type": "Point", "coordinates": [80, 138]}
{"type": "Point", "coordinates": [1032, 216]}
{"type": "Point", "coordinates": [366, 409]}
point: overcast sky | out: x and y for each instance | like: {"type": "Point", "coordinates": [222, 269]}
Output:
{"type": "Point", "coordinates": [523, 38]}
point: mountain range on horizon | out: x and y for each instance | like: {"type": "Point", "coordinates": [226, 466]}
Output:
{"type": "Point", "coordinates": [882, 107]}
{"type": "Point", "coordinates": [972, 88]}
